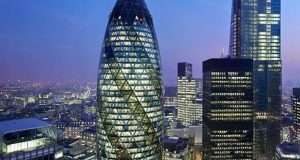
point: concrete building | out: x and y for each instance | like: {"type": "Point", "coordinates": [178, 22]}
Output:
{"type": "Point", "coordinates": [189, 111]}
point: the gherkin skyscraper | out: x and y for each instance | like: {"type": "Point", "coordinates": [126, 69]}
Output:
{"type": "Point", "coordinates": [130, 113]}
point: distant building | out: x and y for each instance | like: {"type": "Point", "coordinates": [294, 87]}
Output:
{"type": "Point", "coordinates": [170, 99]}
{"type": "Point", "coordinates": [188, 109]}
{"type": "Point", "coordinates": [83, 148]}
{"type": "Point", "coordinates": [74, 129]}
{"type": "Point", "coordinates": [82, 152]}
{"type": "Point", "coordinates": [296, 112]}
{"type": "Point", "coordinates": [228, 109]}
{"type": "Point", "coordinates": [88, 137]}
{"type": "Point", "coordinates": [288, 151]}
{"type": "Point", "coordinates": [28, 139]}
{"type": "Point", "coordinates": [44, 99]}
{"type": "Point", "coordinates": [170, 113]}
{"type": "Point", "coordinates": [197, 112]}
{"type": "Point", "coordinates": [199, 88]}
{"type": "Point", "coordinates": [193, 132]}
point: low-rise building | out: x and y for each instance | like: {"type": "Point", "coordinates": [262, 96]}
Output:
{"type": "Point", "coordinates": [176, 148]}
{"type": "Point", "coordinates": [28, 139]}
{"type": "Point", "coordinates": [193, 132]}
{"type": "Point", "coordinates": [88, 137]}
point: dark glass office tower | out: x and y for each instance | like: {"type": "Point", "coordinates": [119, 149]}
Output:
{"type": "Point", "coordinates": [255, 34]}
{"type": "Point", "coordinates": [296, 112]}
{"type": "Point", "coordinates": [228, 109]}
{"type": "Point", "coordinates": [130, 97]}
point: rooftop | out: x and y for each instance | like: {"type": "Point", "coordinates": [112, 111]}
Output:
{"type": "Point", "coordinates": [21, 125]}
{"type": "Point", "coordinates": [130, 6]}
{"type": "Point", "coordinates": [175, 144]}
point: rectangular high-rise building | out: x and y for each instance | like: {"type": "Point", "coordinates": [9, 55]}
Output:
{"type": "Point", "coordinates": [255, 34]}
{"type": "Point", "coordinates": [296, 112]}
{"type": "Point", "coordinates": [228, 109]}
{"type": "Point", "coordinates": [188, 108]}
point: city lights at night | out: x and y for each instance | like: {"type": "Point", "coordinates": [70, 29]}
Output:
{"type": "Point", "coordinates": [149, 80]}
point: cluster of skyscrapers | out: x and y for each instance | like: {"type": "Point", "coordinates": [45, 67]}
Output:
{"type": "Point", "coordinates": [237, 101]}
{"type": "Point", "coordinates": [241, 92]}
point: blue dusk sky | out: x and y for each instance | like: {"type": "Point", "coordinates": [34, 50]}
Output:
{"type": "Point", "coordinates": [60, 40]}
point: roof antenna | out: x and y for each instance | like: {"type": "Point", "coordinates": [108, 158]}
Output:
{"type": "Point", "coordinates": [222, 53]}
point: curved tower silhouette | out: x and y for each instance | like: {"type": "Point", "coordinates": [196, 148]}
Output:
{"type": "Point", "coordinates": [130, 113]}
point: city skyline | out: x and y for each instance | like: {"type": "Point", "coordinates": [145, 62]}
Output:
{"type": "Point", "coordinates": [75, 54]}
{"type": "Point", "coordinates": [137, 79]}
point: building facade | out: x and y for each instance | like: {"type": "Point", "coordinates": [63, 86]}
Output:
{"type": "Point", "coordinates": [255, 34]}
{"type": "Point", "coordinates": [130, 93]}
{"type": "Point", "coordinates": [199, 88]}
{"type": "Point", "coordinates": [170, 97]}
{"type": "Point", "coordinates": [228, 109]}
{"type": "Point", "coordinates": [296, 113]}
{"type": "Point", "coordinates": [188, 108]}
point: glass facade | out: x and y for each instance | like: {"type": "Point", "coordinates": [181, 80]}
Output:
{"type": "Point", "coordinates": [228, 109]}
{"type": "Point", "coordinates": [255, 34]}
{"type": "Point", "coordinates": [130, 93]}
{"type": "Point", "coordinates": [189, 112]}
{"type": "Point", "coordinates": [199, 90]}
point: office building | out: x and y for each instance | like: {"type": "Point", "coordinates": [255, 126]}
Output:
{"type": "Point", "coordinates": [288, 151]}
{"type": "Point", "coordinates": [255, 34]}
{"type": "Point", "coordinates": [296, 113]}
{"type": "Point", "coordinates": [188, 108]}
{"type": "Point", "coordinates": [88, 137]}
{"type": "Point", "coordinates": [130, 93]}
{"type": "Point", "coordinates": [170, 99]}
{"type": "Point", "coordinates": [28, 139]}
{"type": "Point", "coordinates": [73, 129]}
{"type": "Point", "coordinates": [228, 109]}
{"type": "Point", "coordinates": [199, 86]}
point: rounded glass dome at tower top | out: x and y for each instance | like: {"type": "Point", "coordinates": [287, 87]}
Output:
{"type": "Point", "coordinates": [130, 113]}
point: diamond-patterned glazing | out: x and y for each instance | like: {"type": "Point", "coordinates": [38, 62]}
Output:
{"type": "Point", "coordinates": [130, 86]}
